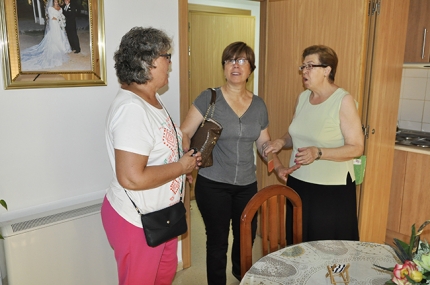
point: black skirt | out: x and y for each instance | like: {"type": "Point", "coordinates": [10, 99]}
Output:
{"type": "Point", "coordinates": [329, 211]}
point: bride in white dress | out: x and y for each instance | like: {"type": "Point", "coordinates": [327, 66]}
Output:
{"type": "Point", "coordinates": [53, 49]}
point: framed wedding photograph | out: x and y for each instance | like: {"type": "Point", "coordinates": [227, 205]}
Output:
{"type": "Point", "coordinates": [52, 43]}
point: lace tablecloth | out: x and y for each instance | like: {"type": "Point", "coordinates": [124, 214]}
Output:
{"type": "Point", "coordinates": [306, 263]}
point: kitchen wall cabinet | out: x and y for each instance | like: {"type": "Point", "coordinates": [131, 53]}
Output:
{"type": "Point", "coordinates": [370, 46]}
{"type": "Point", "coordinates": [418, 32]}
{"type": "Point", "coordinates": [409, 194]}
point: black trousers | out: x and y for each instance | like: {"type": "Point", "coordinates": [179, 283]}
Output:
{"type": "Point", "coordinates": [329, 211]}
{"type": "Point", "coordinates": [220, 203]}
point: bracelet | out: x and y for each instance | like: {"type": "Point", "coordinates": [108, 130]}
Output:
{"type": "Point", "coordinates": [263, 146]}
{"type": "Point", "coordinates": [319, 154]}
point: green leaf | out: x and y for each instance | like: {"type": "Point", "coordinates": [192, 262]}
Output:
{"type": "Point", "coordinates": [413, 241]}
{"type": "Point", "coordinates": [390, 269]}
{"type": "Point", "coordinates": [1, 237]}
{"type": "Point", "coordinates": [402, 250]}
{"type": "Point", "coordinates": [389, 282]}
{"type": "Point", "coordinates": [3, 203]}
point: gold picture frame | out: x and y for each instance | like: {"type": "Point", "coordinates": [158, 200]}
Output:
{"type": "Point", "coordinates": [88, 66]}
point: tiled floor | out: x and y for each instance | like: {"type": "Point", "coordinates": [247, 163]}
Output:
{"type": "Point", "coordinates": [196, 274]}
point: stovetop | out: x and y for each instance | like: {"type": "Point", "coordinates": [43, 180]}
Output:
{"type": "Point", "coordinates": [413, 138]}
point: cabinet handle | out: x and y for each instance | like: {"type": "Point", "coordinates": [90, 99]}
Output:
{"type": "Point", "coordinates": [424, 43]}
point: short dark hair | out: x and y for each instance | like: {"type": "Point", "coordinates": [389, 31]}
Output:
{"type": "Point", "coordinates": [326, 56]}
{"type": "Point", "coordinates": [236, 49]}
{"type": "Point", "coordinates": [137, 51]}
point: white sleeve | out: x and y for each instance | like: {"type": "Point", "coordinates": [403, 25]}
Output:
{"type": "Point", "coordinates": [51, 12]}
{"type": "Point", "coordinates": [132, 130]}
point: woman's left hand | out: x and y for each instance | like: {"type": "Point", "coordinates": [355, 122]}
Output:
{"type": "Point", "coordinates": [306, 155]}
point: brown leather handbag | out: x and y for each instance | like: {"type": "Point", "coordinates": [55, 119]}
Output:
{"type": "Point", "coordinates": [207, 135]}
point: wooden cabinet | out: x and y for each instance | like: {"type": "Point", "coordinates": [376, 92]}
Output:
{"type": "Point", "coordinates": [418, 33]}
{"type": "Point", "coordinates": [369, 39]}
{"type": "Point", "coordinates": [409, 195]}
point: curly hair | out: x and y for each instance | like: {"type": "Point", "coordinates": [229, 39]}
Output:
{"type": "Point", "coordinates": [136, 53]}
{"type": "Point", "coordinates": [326, 55]}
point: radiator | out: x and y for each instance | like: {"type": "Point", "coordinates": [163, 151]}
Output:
{"type": "Point", "coordinates": [67, 248]}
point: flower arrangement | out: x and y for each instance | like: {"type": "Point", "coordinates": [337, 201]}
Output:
{"type": "Point", "coordinates": [3, 203]}
{"type": "Point", "coordinates": [62, 21]}
{"type": "Point", "coordinates": [415, 257]}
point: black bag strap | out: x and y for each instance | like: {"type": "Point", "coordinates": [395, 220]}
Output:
{"type": "Point", "coordinates": [137, 209]}
{"type": "Point", "coordinates": [179, 155]}
{"type": "Point", "coordinates": [211, 106]}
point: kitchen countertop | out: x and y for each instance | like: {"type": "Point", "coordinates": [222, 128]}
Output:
{"type": "Point", "coordinates": [407, 140]}
{"type": "Point", "coordinates": [421, 150]}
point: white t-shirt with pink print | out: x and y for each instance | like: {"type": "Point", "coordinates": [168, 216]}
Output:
{"type": "Point", "coordinates": [136, 126]}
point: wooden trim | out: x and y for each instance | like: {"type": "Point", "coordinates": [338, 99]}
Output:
{"type": "Point", "coordinates": [183, 89]}
{"type": "Point", "coordinates": [391, 235]}
{"type": "Point", "coordinates": [387, 66]}
{"type": "Point", "coordinates": [261, 166]}
{"type": "Point", "coordinates": [218, 10]}
{"type": "Point", "coordinates": [262, 49]}
{"type": "Point", "coordinates": [395, 210]}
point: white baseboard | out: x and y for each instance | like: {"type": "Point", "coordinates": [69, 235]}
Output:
{"type": "Point", "coordinates": [178, 268]}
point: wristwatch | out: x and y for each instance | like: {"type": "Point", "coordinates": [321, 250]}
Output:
{"type": "Point", "coordinates": [319, 154]}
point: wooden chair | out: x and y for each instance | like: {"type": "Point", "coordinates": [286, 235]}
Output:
{"type": "Point", "coordinates": [272, 204]}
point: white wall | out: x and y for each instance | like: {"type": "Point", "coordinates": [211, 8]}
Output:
{"type": "Point", "coordinates": [414, 109]}
{"type": "Point", "coordinates": [52, 148]}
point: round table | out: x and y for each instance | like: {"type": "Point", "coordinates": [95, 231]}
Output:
{"type": "Point", "coordinates": [306, 263]}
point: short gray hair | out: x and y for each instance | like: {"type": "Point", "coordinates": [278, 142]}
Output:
{"type": "Point", "coordinates": [136, 53]}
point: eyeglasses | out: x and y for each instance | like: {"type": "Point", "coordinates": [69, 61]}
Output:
{"type": "Point", "coordinates": [240, 61]}
{"type": "Point", "coordinates": [309, 66]}
{"type": "Point", "coordinates": [168, 56]}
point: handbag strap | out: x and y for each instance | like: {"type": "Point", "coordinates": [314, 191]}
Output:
{"type": "Point", "coordinates": [211, 106]}
{"type": "Point", "coordinates": [179, 156]}
{"type": "Point", "coordinates": [137, 209]}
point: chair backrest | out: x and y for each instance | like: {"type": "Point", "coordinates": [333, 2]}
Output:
{"type": "Point", "coordinates": [272, 204]}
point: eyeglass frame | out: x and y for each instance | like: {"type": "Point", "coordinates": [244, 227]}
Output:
{"type": "Point", "coordinates": [310, 66]}
{"type": "Point", "coordinates": [233, 61]}
{"type": "Point", "coordinates": [168, 56]}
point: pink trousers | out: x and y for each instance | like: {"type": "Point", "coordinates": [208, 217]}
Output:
{"type": "Point", "coordinates": [137, 262]}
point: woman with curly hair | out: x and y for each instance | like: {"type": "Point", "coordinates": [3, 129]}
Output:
{"type": "Point", "coordinates": [145, 151]}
